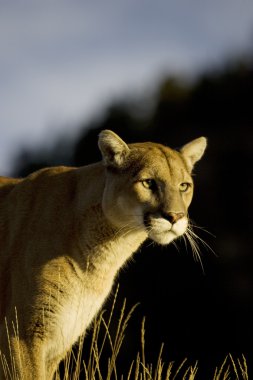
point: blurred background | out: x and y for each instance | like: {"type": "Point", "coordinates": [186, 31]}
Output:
{"type": "Point", "coordinates": [166, 71]}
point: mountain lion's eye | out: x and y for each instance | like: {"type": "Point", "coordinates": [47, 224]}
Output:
{"type": "Point", "coordinates": [184, 186]}
{"type": "Point", "coordinates": [149, 184]}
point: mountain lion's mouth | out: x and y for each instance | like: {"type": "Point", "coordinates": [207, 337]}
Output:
{"type": "Point", "coordinates": [162, 237]}
{"type": "Point", "coordinates": [161, 230]}
{"type": "Point", "coordinates": [157, 222]}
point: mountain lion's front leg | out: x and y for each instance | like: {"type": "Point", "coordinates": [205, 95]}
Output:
{"type": "Point", "coordinates": [23, 360]}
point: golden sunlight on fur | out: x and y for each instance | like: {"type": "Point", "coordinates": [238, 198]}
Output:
{"type": "Point", "coordinates": [66, 232]}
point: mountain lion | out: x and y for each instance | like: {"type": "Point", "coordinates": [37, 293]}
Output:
{"type": "Point", "coordinates": [65, 233]}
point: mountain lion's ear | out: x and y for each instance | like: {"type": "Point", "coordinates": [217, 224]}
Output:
{"type": "Point", "coordinates": [194, 150]}
{"type": "Point", "coordinates": [113, 149]}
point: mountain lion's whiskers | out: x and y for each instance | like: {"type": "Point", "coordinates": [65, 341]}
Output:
{"type": "Point", "coordinates": [125, 230]}
{"type": "Point", "coordinates": [192, 239]}
{"type": "Point", "coordinates": [191, 224]}
{"type": "Point", "coordinates": [194, 235]}
{"type": "Point", "coordinates": [195, 241]}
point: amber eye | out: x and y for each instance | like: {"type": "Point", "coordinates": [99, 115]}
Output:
{"type": "Point", "coordinates": [184, 186]}
{"type": "Point", "coordinates": [149, 184]}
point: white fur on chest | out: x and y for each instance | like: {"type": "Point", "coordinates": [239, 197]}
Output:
{"type": "Point", "coordinates": [77, 312]}
{"type": "Point", "coordinates": [75, 317]}
{"type": "Point", "coordinates": [89, 290]}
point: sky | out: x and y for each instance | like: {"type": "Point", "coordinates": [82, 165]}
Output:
{"type": "Point", "coordinates": [63, 61]}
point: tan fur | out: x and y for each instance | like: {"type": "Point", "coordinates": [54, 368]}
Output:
{"type": "Point", "coordinates": [65, 233]}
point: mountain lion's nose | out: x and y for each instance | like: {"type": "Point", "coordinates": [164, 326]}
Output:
{"type": "Point", "coordinates": [173, 217]}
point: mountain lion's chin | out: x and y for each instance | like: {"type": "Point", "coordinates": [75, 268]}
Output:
{"type": "Point", "coordinates": [162, 232]}
{"type": "Point", "coordinates": [163, 238]}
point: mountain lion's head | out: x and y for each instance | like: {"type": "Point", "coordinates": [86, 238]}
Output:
{"type": "Point", "coordinates": [149, 186]}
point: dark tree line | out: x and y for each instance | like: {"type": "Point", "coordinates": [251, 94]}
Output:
{"type": "Point", "coordinates": [199, 316]}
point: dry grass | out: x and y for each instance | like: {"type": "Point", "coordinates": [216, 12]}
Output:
{"type": "Point", "coordinates": [139, 369]}
{"type": "Point", "coordinates": [75, 368]}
